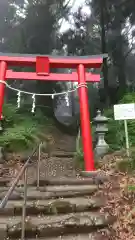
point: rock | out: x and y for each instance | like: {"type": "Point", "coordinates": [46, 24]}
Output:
{"type": "Point", "coordinates": [15, 230]}
{"type": "Point", "coordinates": [59, 206]}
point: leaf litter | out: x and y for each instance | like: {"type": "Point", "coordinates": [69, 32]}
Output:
{"type": "Point", "coordinates": [119, 195]}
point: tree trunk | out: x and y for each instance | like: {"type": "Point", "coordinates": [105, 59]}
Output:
{"type": "Point", "coordinates": [104, 48]}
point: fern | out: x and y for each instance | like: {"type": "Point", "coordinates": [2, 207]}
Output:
{"type": "Point", "coordinates": [21, 129]}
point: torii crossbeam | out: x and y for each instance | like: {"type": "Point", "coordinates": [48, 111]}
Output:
{"type": "Point", "coordinates": [43, 66]}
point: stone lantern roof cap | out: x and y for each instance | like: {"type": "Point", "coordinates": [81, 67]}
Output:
{"type": "Point", "coordinates": [100, 117]}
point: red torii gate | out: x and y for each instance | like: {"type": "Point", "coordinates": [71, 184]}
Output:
{"type": "Point", "coordinates": [42, 65]}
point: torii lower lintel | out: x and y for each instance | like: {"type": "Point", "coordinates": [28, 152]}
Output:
{"type": "Point", "coordinates": [43, 64]}
{"type": "Point", "coordinates": [71, 77]}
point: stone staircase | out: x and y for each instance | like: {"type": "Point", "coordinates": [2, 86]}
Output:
{"type": "Point", "coordinates": [63, 208]}
{"type": "Point", "coordinates": [65, 205]}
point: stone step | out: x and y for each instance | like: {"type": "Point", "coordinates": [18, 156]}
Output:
{"type": "Point", "coordinates": [57, 167]}
{"type": "Point", "coordinates": [63, 154]}
{"type": "Point", "coordinates": [77, 180]}
{"type": "Point", "coordinates": [4, 181]}
{"type": "Point", "coordinates": [68, 188]}
{"type": "Point", "coordinates": [51, 187]}
{"type": "Point", "coordinates": [59, 206]}
{"type": "Point", "coordinates": [66, 181]}
{"type": "Point", "coordinates": [89, 236]}
{"type": "Point", "coordinates": [62, 149]}
{"type": "Point", "coordinates": [55, 188]}
{"type": "Point", "coordinates": [51, 192]}
{"type": "Point", "coordinates": [56, 225]}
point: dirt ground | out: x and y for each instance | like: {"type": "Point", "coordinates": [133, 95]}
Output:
{"type": "Point", "coordinates": [119, 193]}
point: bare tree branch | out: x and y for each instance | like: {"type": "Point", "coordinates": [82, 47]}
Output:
{"type": "Point", "coordinates": [128, 52]}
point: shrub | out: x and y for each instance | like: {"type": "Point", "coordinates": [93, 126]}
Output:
{"type": "Point", "coordinates": [21, 128]}
{"type": "Point", "coordinates": [116, 134]}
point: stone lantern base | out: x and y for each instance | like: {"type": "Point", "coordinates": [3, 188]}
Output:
{"type": "Point", "coordinates": [101, 150]}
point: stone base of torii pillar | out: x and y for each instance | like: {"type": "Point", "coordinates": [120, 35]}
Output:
{"type": "Point", "coordinates": [98, 176]}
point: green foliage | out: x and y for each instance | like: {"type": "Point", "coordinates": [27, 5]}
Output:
{"type": "Point", "coordinates": [21, 129]}
{"type": "Point", "coordinates": [116, 135]}
{"type": "Point", "coordinates": [128, 98]}
{"type": "Point", "coordinates": [127, 165]}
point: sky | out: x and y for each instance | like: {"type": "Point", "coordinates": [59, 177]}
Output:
{"type": "Point", "coordinates": [76, 4]}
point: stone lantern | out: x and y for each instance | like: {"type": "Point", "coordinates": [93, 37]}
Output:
{"type": "Point", "coordinates": [101, 129]}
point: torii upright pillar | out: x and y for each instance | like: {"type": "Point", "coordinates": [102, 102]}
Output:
{"type": "Point", "coordinates": [43, 64]}
{"type": "Point", "coordinates": [85, 120]}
